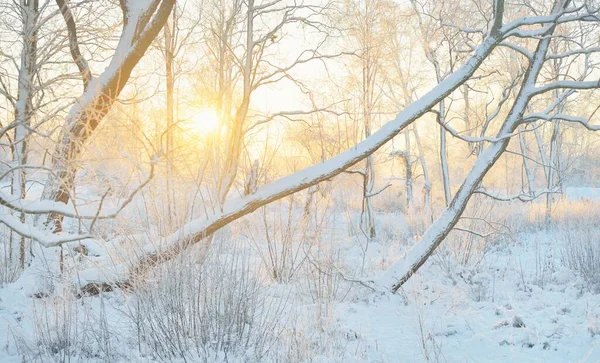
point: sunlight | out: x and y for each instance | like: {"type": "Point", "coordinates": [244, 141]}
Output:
{"type": "Point", "coordinates": [206, 121]}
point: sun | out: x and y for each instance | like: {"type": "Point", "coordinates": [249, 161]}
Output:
{"type": "Point", "coordinates": [206, 121]}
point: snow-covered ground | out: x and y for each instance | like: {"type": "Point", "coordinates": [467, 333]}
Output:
{"type": "Point", "coordinates": [514, 301]}
{"type": "Point", "coordinates": [518, 306]}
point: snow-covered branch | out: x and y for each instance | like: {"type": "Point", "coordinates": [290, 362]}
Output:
{"type": "Point", "coordinates": [564, 84]}
{"type": "Point", "coordinates": [34, 207]}
{"type": "Point", "coordinates": [44, 238]}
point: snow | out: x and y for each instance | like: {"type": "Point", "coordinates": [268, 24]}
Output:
{"type": "Point", "coordinates": [519, 304]}
{"type": "Point", "coordinates": [556, 316]}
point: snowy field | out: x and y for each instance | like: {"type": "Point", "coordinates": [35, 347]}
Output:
{"type": "Point", "coordinates": [509, 297]}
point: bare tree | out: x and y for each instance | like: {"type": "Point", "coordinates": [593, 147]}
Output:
{"type": "Point", "coordinates": [426, 180]}
{"type": "Point", "coordinates": [242, 38]}
{"type": "Point", "coordinates": [369, 28]}
{"type": "Point", "coordinates": [141, 24]}
{"type": "Point", "coordinates": [432, 57]}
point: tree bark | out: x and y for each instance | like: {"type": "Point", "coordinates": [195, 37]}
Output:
{"type": "Point", "coordinates": [24, 108]}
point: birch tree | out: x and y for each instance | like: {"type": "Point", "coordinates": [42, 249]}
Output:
{"type": "Point", "coordinates": [24, 106]}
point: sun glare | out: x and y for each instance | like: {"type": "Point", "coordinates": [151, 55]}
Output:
{"type": "Point", "coordinates": [206, 121]}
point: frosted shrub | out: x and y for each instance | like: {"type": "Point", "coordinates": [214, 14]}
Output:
{"type": "Point", "coordinates": [324, 281]}
{"type": "Point", "coordinates": [206, 309]}
{"type": "Point", "coordinates": [9, 259]}
{"type": "Point", "coordinates": [280, 233]}
{"type": "Point", "coordinates": [66, 329]}
{"type": "Point", "coordinates": [279, 238]}
{"type": "Point", "coordinates": [581, 253]}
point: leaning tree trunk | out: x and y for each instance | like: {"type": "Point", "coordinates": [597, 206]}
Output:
{"type": "Point", "coordinates": [99, 96]}
{"type": "Point", "coordinates": [403, 269]}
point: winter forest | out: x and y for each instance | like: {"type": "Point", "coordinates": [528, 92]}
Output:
{"type": "Point", "coordinates": [299, 181]}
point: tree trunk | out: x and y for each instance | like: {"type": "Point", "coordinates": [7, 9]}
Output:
{"type": "Point", "coordinates": [170, 109]}
{"type": "Point", "coordinates": [444, 155]}
{"type": "Point", "coordinates": [97, 99]}
{"type": "Point", "coordinates": [528, 172]}
{"type": "Point", "coordinates": [24, 108]}
{"type": "Point", "coordinates": [426, 180]}
{"type": "Point", "coordinates": [409, 176]}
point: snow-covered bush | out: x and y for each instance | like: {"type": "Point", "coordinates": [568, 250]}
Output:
{"type": "Point", "coordinates": [67, 329]}
{"type": "Point", "coordinates": [581, 253]}
{"type": "Point", "coordinates": [282, 232]}
{"type": "Point", "coordinates": [206, 308]}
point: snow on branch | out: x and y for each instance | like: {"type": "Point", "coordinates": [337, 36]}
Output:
{"type": "Point", "coordinates": [45, 239]}
{"type": "Point", "coordinates": [585, 122]}
{"type": "Point", "coordinates": [521, 196]}
{"type": "Point", "coordinates": [34, 207]}
{"type": "Point", "coordinates": [575, 85]}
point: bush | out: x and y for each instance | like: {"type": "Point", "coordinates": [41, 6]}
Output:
{"type": "Point", "coordinates": [9, 258]}
{"type": "Point", "coordinates": [206, 308]}
{"type": "Point", "coordinates": [66, 329]}
{"type": "Point", "coordinates": [581, 253]}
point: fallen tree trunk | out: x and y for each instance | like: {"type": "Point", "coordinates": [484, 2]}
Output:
{"type": "Point", "coordinates": [401, 271]}
{"type": "Point", "coordinates": [195, 231]}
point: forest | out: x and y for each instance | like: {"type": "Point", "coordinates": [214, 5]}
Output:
{"type": "Point", "coordinates": [299, 181]}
